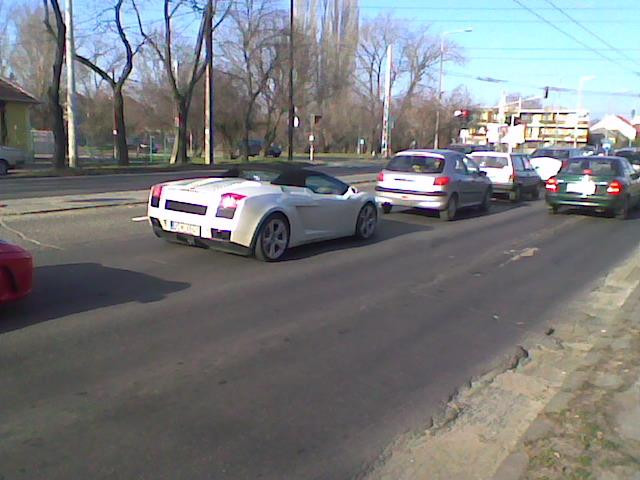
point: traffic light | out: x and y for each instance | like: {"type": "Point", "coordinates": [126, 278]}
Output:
{"type": "Point", "coordinates": [463, 116]}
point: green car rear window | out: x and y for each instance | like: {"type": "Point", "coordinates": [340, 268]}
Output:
{"type": "Point", "coordinates": [491, 162]}
{"type": "Point", "coordinates": [416, 164]}
{"type": "Point", "coordinates": [599, 167]}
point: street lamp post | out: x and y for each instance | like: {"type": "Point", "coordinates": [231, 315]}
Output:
{"type": "Point", "coordinates": [581, 83]}
{"type": "Point", "coordinates": [439, 107]}
{"type": "Point", "coordinates": [291, 104]}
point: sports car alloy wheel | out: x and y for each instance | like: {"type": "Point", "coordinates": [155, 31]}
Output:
{"type": "Point", "coordinates": [273, 239]}
{"type": "Point", "coordinates": [367, 220]}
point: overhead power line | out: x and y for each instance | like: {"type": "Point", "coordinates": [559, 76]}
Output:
{"type": "Point", "coordinates": [572, 37]}
{"type": "Point", "coordinates": [590, 32]}
{"type": "Point", "coordinates": [540, 87]}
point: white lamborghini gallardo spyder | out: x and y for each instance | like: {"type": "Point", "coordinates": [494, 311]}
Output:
{"type": "Point", "coordinates": [260, 209]}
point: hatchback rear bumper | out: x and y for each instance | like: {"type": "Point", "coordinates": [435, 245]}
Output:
{"type": "Point", "coordinates": [430, 200]}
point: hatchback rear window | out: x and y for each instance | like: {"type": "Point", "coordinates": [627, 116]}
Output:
{"type": "Point", "coordinates": [491, 162]}
{"type": "Point", "coordinates": [416, 164]}
{"type": "Point", "coordinates": [605, 167]}
{"type": "Point", "coordinates": [547, 152]}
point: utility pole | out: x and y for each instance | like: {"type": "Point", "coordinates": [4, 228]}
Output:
{"type": "Point", "coordinates": [386, 147]}
{"type": "Point", "coordinates": [440, 80]}
{"type": "Point", "coordinates": [291, 105]}
{"type": "Point", "coordinates": [581, 83]}
{"type": "Point", "coordinates": [72, 146]}
{"type": "Point", "coordinates": [209, 125]}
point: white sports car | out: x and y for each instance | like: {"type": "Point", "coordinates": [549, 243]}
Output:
{"type": "Point", "coordinates": [260, 209]}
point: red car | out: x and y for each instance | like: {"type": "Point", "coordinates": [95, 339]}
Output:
{"type": "Point", "coordinates": [16, 272]}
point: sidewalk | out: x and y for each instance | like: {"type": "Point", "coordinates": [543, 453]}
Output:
{"type": "Point", "coordinates": [63, 203]}
{"type": "Point", "coordinates": [567, 406]}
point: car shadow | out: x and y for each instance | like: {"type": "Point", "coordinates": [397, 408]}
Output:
{"type": "Point", "coordinates": [61, 290]}
{"type": "Point", "coordinates": [387, 229]}
{"type": "Point", "coordinates": [497, 206]}
{"type": "Point", "coordinates": [590, 212]}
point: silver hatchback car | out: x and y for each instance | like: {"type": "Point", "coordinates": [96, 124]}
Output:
{"type": "Point", "coordinates": [441, 180]}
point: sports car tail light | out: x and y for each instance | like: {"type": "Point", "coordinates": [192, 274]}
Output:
{"type": "Point", "coordinates": [615, 188]}
{"type": "Point", "coordinates": [381, 177]}
{"type": "Point", "coordinates": [228, 204]}
{"type": "Point", "coordinates": [156, 193]}
{"type": "Point", "coordinates": [441, 181]}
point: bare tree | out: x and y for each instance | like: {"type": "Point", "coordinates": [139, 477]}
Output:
{"type": "Point", "coordinates": [117, 83]}
{"type": "Point", "coordinates": [58, 32]}
{"type": "Point", "coordinates": [5, 15]}
{"type": "Point", "coordinates": [253, 55]}
{"type": "Point", "coordinates": [182, 91]}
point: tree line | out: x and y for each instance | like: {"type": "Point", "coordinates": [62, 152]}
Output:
{"type": "Point", "coordinates": [141, 65]}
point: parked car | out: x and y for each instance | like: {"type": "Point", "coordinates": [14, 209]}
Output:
{"type": "Point", "coordinates": [510, 173]}
{"type": "Point", "coordinates": [441, 180]}
{"type": "Point", "coordinates": [601, 183]}
{"type": "Point", "coordinates": [261, 210]}
{"type": "Point", "coordinates": [254, 149]}
{"type": "Point", "coordinates": [11, 158]}
{"type": "Point", "coordinates": [547, 161]}
{"type": "Point", "coordinates": [631, 154]}
{"type": "Point", "coordinates": [468, 148]}
{"type": "Point", "coordinates": [16, 272]}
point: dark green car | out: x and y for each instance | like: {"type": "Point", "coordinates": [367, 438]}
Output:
{"type": "Point", "coordinates": [607, 184]}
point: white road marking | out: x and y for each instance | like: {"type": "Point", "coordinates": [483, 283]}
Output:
{"type": "Point", "coordinates": [526, 253]}
{"type": "Point", "coordinates": [25, 238]}
{"type": "Point", "coordinates": [140, 219]}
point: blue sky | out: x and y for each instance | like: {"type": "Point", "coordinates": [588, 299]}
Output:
{"type": "Point", "coordinates": [513, 44]}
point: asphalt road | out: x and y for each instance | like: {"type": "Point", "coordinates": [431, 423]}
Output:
{"type": "Point", "coordinates": [135, 358]}
{"type": "Point", "coordinates": [13, 187]}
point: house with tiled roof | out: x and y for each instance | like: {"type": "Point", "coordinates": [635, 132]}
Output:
{"type": "Point", "coordinates": [15, 122]}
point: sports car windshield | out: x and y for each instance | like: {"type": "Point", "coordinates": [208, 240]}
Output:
{"type": "Point", "coordinates": [259, 175]}
{"type": "Point", "coordinates": [416, 164]}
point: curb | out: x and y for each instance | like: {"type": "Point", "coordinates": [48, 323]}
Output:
{"type": "Point", "coordinates": [96, 172]}
{"type": "Point", "coordinates": [112, 204]}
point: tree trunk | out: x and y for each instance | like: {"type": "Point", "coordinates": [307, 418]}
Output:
{"type": "Point", "coordinates": [121, 128]}
{"type": "Point", "coordinates": [57, 114]}
{"type": "Point", "coordinates": [179, 154]}
{"type": "Point", "coordinates": [245, 138]}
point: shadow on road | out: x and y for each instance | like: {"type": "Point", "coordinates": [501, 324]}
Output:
{"type": "Point", "coordinates": [497, 206]}
{"type": "Point", "coordinates": [387, 229]}
{"type": "Point", "coordinates": [589, 212]}
{"type": "Point", "coordinates": [61, 290]}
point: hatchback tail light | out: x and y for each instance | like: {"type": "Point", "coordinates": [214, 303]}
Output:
{"type": "Point", "coordinates": [228, 204]}
{"type": "Point", "coordinates": [587, 171]}
{"type": "Point", "coordinates": [442, 181]}
{"type": "Point", "coordinates": [552, 185]}
{"type": "Point", "coordinates": [615, 188]}
{"type": "Point", "coordinates": [381, 177]}
{"type": "Point", "coordinates": [156, 194]}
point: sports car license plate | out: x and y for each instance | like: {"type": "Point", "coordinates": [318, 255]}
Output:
{"type": "Point", "coordinates": [179, 227]}
{"type": "Point", "coordinates": [583, 188]}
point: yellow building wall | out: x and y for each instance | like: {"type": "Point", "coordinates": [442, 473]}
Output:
{"type": "Point", "coordinates": [19, 126]}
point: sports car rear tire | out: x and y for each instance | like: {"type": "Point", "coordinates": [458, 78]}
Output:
{"type": "Point", "coordinates": [367, 221]}
{"type": "Point", "coordinates": [273, 238]}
